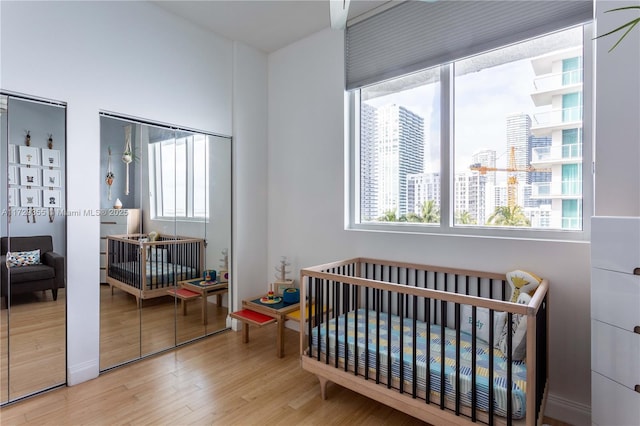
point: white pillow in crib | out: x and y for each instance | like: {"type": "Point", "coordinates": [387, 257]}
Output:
{"type": "Point", "coordinates": [518, 332]}
{"type": "Point", "coordinates": [482, 323]}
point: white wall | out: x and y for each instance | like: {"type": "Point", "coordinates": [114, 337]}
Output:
{"type": "Point", "coordinates": [132, 58]}
{"type": "Point", "coordinates": [306, 200]}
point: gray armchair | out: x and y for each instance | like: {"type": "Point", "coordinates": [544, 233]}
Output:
{"type": "Point", "coordinates": [49, 275]}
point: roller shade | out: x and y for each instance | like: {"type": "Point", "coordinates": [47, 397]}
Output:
{"type": "Point", "coordinates": [420, 34]}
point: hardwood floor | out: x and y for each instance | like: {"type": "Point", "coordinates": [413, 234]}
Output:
{"type": "Point", "coordinates": [218, 380]}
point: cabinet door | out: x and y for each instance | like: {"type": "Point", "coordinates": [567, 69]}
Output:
{"type": "Point", "coordinates": [615, 243]}
{"type": "Point", "coordinates": [613, 404]}
{"type": "Point", "coordinates": [615, 353]}
{"type": "Point", "coordinates": [615, 298]}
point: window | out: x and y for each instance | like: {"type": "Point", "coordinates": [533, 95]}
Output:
{"type": "Point", "coordinates": [180, 186]}
{"type": "Point", "coordinates": [490, 144]}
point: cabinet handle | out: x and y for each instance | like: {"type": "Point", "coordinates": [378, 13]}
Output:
{"type": "Point", "coordinates": [636, 271]}
{"type": "Point", "coordinates": [636, 329]}
{"type": "Point", "coordinates": [637, 388]}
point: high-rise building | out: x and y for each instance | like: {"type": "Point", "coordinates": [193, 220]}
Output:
{"type": "Point", "coordinates": [368, 169]}
{"type": "Point", "coordinates": [422, 187]}
{"type": "Point", "coordinates": [469, 198]}
{"type": "Point", "coordinates": [558, 85]}
{"type": "Point", "coordinates": [399, 151]}
{"type": "Point", "coordinates": [518, 132]}
{"type": "Point", "coordinates": [486, 158]}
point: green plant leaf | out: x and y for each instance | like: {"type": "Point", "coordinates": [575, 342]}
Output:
{"type": "Point", "coordinates": [631, 24]}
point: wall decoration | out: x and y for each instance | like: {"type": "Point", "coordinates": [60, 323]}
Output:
{"type": "Point", "coordinates": [30, 198]}
{"type": "Point", "coordinates": [127, 156]}
{"type": "Point", "coordinates": [29, 156]}
{"type": "Point", "coordinates": [29, 176]}
{"type": "Point", "coordinates": [13, 175]}
{"type": "Point", "coordinates": [51, 178]}
{"type": "Point", "coordinates": [110, 175]}
{"type": "Point", "coordinates": [51, 198]}
{"type": "Point", "coordinates": [51, 157]}
{"type": "Point", "coordinates": [12, 153]}
{"type": "Point", "coordinates": [12, 195]}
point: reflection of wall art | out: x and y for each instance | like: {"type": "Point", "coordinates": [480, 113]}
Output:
{"type": "Point", "coordinates": [12, 196]}
{"type": "Point", "coordinates": [13, 175]}
{"type": "Point", "coordinates": [51, 178]}
{"type": "Point", "coordinates": [51, 157]}
{"type": "Point", "coordinates": [30, 198]}
{"type": "Point", "coordinates": [29, 155]}
{"type": "Point", "coordinates": [51, 198]}
{"type": "Point", "coordinates": [29, 176]}
{"type": "Point", "coordinates": [12, 153]}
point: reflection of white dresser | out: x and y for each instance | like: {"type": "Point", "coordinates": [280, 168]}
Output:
{"type": "Point", "coordinates": [615, 321]}
{"type": "Point", "coordinates": [115, 222]}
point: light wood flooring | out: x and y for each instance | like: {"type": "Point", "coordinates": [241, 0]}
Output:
{"type": "Point", "coordinates": [217, 380]}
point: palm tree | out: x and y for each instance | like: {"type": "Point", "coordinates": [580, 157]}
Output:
{"type": "Point", "coordinates": [508, 216]}
{"type": "Point", "coordinates": [430, 212]}
{"type": "Point", "coordinates": [464, 218]}
{"type": "Point", "coordinates": [413, 217]}
{"type": "Point", "coordinates": [389, 216]}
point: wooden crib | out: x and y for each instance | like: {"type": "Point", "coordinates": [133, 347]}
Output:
{"type": "Point", "coordinates": [409, 331]}
{"type": "Point", "coordinates": [148, 269]}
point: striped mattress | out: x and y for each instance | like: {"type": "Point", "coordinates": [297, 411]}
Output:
{"type": "Point", "coordinates": [392, 344]}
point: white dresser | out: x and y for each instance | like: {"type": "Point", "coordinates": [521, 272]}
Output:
{"type": "Point", "coordinates": [115, 222]}
{"type": "Point", "coordinates": [615, 321]}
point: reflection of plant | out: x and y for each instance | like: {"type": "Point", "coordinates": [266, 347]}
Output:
{"type": "Point", "coordinates": [629, 24]}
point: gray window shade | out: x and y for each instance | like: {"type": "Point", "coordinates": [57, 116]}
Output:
{"type": "Point", "coordinates": [419, 34]}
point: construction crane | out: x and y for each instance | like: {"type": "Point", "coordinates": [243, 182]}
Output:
{"type": "Point", "coordinates": [512, 179]}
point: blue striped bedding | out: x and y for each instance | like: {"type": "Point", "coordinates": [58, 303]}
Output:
{"type": "Point", "coordinates": [159, 274]}
{"type": "Point", "coordinates": [483, 352]}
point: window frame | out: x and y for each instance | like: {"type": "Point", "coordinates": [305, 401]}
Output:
{"type": "Point", "coordinates": [447, 221]}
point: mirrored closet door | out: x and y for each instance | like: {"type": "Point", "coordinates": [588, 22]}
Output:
{"type": "Point", "coordinates": [165, 237]}
{"type": "Point", "coordinates": [32, 246]}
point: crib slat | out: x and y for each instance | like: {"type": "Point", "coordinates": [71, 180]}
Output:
{"type": "Point", "coordinates": [414, 361]}
{"type": "Point", "coordinates": [509, 368]}
{"type": "Point", "coordinates": [401, 360]}
{"type": "Point", "coordinates": [378, 296]}
{"type": "Point", "coordinates": [474, 398]}
{"type": "Point", "coordinates": [491, 378]}
{"type": "Point", "coordinates": [388, 339]}
{"type": "Point", "coordinates": [443, 313]}
{"type": "Point", "coordinates": [309, 321]}
{"type": "Point", "coordinates": [457, 321]}
{"type": "Point", "coordinates": [366, 331]}
{"type": "Point", "coordinates": [345, 303]}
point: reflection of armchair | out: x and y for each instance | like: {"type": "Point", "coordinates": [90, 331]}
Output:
{"type": "Point", "coordinates": [49, 275]}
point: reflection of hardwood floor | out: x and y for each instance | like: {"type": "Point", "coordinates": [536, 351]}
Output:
{"type": "Point", "coordinates": [121, 338]}
{"type": "Point", "coordinates": [36, 349]}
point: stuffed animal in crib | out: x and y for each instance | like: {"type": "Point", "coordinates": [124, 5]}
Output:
{"type": "Point", "coordinates": [522, 283]}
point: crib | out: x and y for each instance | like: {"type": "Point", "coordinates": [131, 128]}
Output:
{"type": "Point", "coordinates": [148, 269]}
{"type": "Point", "coordinates": [392, 331]}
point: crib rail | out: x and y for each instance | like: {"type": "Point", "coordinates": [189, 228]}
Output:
{"type": "Point", "coordinates": [425, 294]}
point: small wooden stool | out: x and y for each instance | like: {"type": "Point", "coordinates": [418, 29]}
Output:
{"type": "Point", "coordinates": [184, 295]}
{"type": "Point", "coordinates": [247, 316]}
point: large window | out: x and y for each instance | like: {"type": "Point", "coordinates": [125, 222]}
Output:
{"type": "Point", "coordinates": [488, 144]}
{"type": "Point", "coordinates": [180, 188]}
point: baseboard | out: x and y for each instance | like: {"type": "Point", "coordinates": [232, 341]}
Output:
{"type": "Point", "coordinates": [82, 372]}
{"type": "Point", "coordinates": [567, 411]}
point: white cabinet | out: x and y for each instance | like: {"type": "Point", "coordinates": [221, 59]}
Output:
{"type": "Point", "coordinates": [615, 321]}
{"type": "Point", "coordinates": [115, 222]}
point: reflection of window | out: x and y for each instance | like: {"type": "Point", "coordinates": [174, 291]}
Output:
{"type": "Point", "coordinates": [178, 177]}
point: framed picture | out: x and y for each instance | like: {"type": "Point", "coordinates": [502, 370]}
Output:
{"type": "Point", "coordinates": [51, 198]}
{"type": "Point", "coordinates": [51, 178]}
{"type": "Point", "coordinates": [30, 198]}
{"type": "Point", "coordinates": [29, 155]}
{"type": "Point", "coordinates": [12, 153]}
{"type": "Point", "coordinates": [13, 175]}
{"type": "Point", "coordinates": [12, 196]}
{"type": "Point", "coordinates": [29, 176]}
{"type": "Point", "coordinates": [51, 157]}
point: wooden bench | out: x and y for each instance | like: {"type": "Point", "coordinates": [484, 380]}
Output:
{"type": "Point", "coordinates": [184, 295]}
{"type": "Point", "coordinates": [247, 317]}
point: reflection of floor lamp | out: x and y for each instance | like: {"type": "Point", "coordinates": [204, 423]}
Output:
{"type": "Point", "coordinates": [127, 156]}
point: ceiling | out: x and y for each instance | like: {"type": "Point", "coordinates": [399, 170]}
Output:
{"type": "Point", "coordinates": [267, 25]}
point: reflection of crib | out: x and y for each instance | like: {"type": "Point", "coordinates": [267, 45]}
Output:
{"type": "Point", "coordinates": [375, 310]}
{"type": "Point", "coordinates": [148, 269]}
